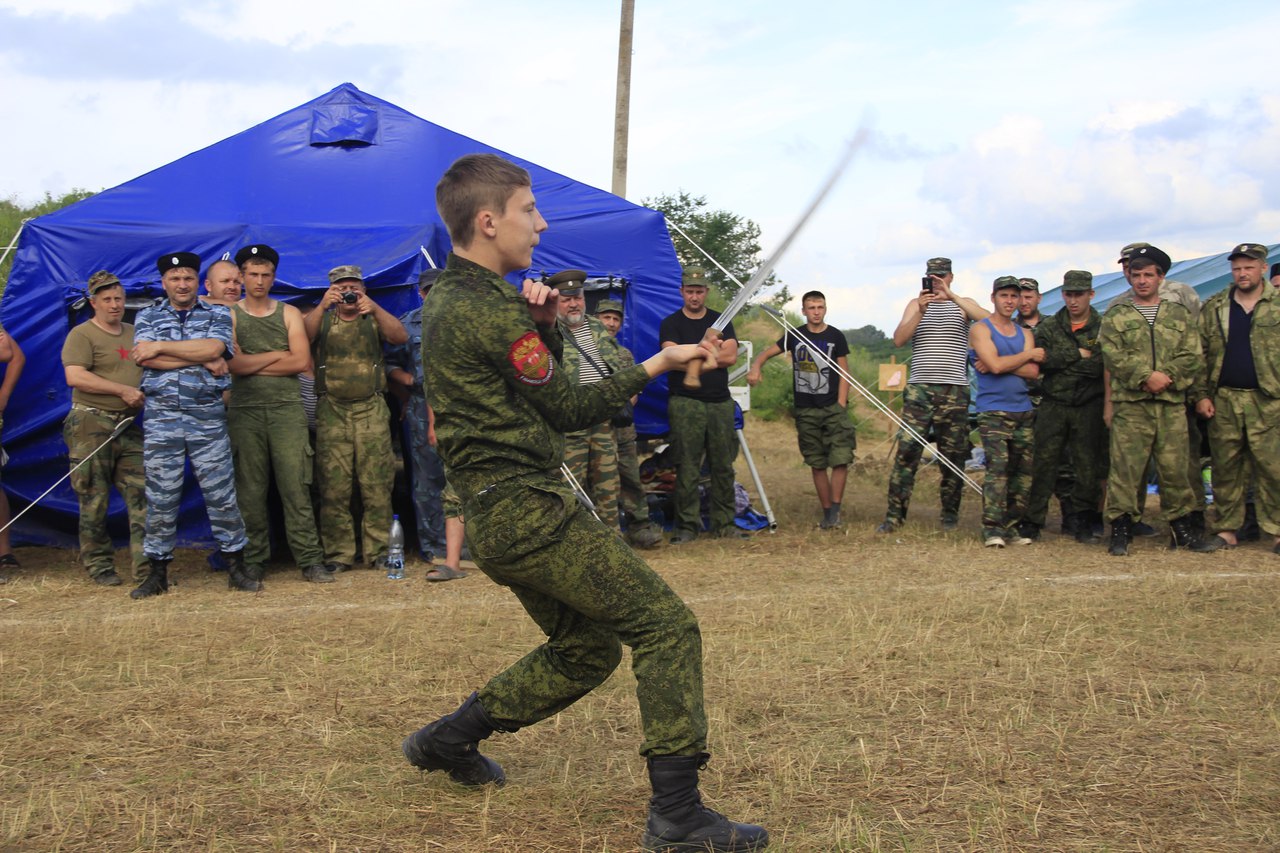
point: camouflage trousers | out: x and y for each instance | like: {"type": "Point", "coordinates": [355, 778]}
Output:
{"type": "Point", "coordinates": [592, 457]}
{"type": "Point", "coordinates": [1140, 431]}
{"type": "Point", "coordinates": [118, 464]}
{"type": "Point", "coordinates": [1244, 434]}
{"type": "Point", "coordinates": [169, 438]}
{"type": "Point", "coordinates": [426, 476]}
{"type": "Point", "coordinates": [1007, 441]}
{"type": "Point", "coordinates": [267, 440]}
{"type": "Point", "coordinates": [699, 429]}
{"type": "Point", "coordinates": [590, 594]}
{"type": "Point", "coordinates": [631, 499]}
{"type": "Point", "coordinates": [946, 409]}
{"type": "Point", "coordinates": [1076, 435]}
{"type": "Point", "coordinates": [353, 444]}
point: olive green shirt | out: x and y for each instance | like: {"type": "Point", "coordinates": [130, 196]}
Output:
{"type": "Point", "coordinates": [104, 355]}
{"type": "Point", "coordinates": [501, 397]}
{"type": "Point", "coordinates": [258, 335]}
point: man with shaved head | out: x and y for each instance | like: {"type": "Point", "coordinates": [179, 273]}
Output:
{"type": "Point", "coordinates": [222, 283]}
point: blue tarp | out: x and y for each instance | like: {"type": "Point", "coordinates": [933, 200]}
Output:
{"type": "Point", "coordinates": [1207, 275]}
{"type": "Point", "coordinates": [345, 179]}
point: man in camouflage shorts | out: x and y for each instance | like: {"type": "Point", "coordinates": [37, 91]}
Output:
{"type": "Point", "coordinates": [353, 435]}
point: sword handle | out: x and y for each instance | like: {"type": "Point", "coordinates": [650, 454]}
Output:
{"type": "Point", "coordinates": [693, 370]}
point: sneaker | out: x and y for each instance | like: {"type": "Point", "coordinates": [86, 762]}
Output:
{"type": "Point", "coordinates": [1029, 530]}
{"type": "Point", "coordinates": [993, 542]}
{"type": "Point", "coordinates": [1015, 539]}
{"type": "Point", "coordinates": [107, 578]}
{"type": "Point", "coordinates": [1141, 528]}
{"type": "Point", "coordinates": [886, 527]}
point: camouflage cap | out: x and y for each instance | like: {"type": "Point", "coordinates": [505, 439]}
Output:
{"type": "Point", "coordinates": [1129, 249]}
{"type": "Point", "coordinates": [1029, 284]}
{"type": "Point", "coordinates": [568, 282]}
{"type": "Point", "coordinates": [347, 271]}
{"type": "Point", "coordinates": [427, 278]}
{"type": "Point", "coordinates": [1257, 251]}
{"type": "Point", "coordinates": [1077, 281]}
{"type": "Point", "coordinates": [258, 252]}
{"type": "Point", "coordinates": [1005, 282]}
{"type": "Point", "coordinates": [694, 277]}
{"type": "Point", "coordinates": [607, 305]}
{"type": "Point", "coordinates": [102, 279]}
{"type": "Point", "coordinates": [1151, 253]}
{"type": "Point", "coordinates": [176, 260]}
{"type": "Point", "coordinates": [938, 266]}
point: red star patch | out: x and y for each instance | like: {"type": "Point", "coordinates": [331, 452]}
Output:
{"type": "Point", "coordinates": [124, 353]}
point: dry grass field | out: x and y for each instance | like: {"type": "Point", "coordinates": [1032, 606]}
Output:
{"type": "Point", "coordinates": [907, 693]}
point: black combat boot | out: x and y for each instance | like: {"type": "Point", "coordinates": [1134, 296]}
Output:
{"type": "Point", "coordinates": [237, 576]}
{"type": "Point", "coordinates": [1086, 530]}
{"type": "Point", "coordinates": [679, 821]}
{"type": "Point", "coordinates": [452, 743]}
{"type": "Point", "coordinates": [1185, 536]}
{"type": "Point", "coordinates": [1120, 537]}
{"type": "Point", "coordinates": [157, 580]}
{"type": "Point", "coordinates": [1196, 520]}
{"type": "Point", "coordinates": [1249, 531]}
{"type": "Point", "coordinates": [1070, 523]}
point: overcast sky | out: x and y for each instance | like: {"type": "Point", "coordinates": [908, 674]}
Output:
{"type": "Point", "coordinates": [1021, 138]}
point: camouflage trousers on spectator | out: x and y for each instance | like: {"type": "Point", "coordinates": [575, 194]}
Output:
{"type": "Point", "coordinates": [353, 445]}
{"type": "Point", "coordinates": [1007, 442]}
{"type": "Point", "coordinates": [590, 594]}
{"type": "Point", "coordinates": [118, 464]}
{"type": "Point", "coordinates": [1141, 431]}
{"type": "Point", "coordinates": [269, 441]}
{"type": "Point", "coordinates": [699, 429]}
{"type": "Point", "coordinates": [426, 476]}
{"type": "Point", "coordinates": [631, 499]}
{"type": "Point", "coordinates": [592, 456]}
{"type": "Point", "coordinates": [169, 438]}
{"type": "Point", "coordinates": [1076, 435]}
{"type": "Point", "coordinates": [945, 408]}
{"type": "Point", "coordinates": [1244, 433]}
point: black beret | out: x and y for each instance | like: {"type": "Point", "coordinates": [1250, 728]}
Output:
{"type": "Point", "coordinates": [174, 260]}
{"type": "Point", "coordinates": [259, 252]}
{"type": "Point", "coordinates": [1153, 254]}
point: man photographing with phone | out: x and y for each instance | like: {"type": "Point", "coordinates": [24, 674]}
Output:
{"type": "Point", "coordinates": [936, 324]}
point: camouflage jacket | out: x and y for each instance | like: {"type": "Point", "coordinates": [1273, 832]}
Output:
{"type": "Point", "coordinates": [1133, 349]}
{"type": "Point", "coordinates": [1066, 376]}
{"type": "Point", "coordinates": [183, 387]}
{"type": "Point", "coordinates": [605, 343]}
{"type": "Point", "coordinates": [1264, 340]}
{"type": "Point", "coordinates": [501, 398]}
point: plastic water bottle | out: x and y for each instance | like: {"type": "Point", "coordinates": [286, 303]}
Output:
{"type": "Point", "coordinates": [395, 551]}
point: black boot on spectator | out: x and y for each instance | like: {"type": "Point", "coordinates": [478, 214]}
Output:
{"type": "Point", "coordinates": [1086, 529]}
{"type": "Point", "coordinates": [157, 580]}
{"type": "Point", "coordinates": [1029, 530]}
{"type": "Point", "coordinates": [452, 744]}
{"type": "Point", "coordinates": [1070, 523]}
{"type": "Point", "coordinates": [1185, 536]}
{"type": "Point", "coordinates": [1196, 520]}
{"type": "Point", "coordinates": [237, 576]}
{"type": "Point", "coordinates": [679, 821]}
{"type": "Point", "coordinates": [1120, 537]}
{"type": "Point", "coordinates": [1249, 531]}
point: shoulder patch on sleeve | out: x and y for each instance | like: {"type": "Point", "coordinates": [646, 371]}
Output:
{"type": "Point", "coordinates": [531, 359]}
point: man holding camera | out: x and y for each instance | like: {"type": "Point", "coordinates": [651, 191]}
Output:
{"type": "Point", "coordinates": [353, 439]}
{"type": "Point", "coordinates": [936, 323]}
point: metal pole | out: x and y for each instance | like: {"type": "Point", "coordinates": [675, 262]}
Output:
{"type": "Point", "coordinates": [622, 111]}
{"type": "Point", "coordinates": [755, 477]}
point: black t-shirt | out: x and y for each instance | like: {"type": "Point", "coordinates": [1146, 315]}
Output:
{"type": "Point", "coordinates": [815, 386]}
{"type": "Point", "coordinates": [679, 329]}
{"type": "Point", "coordinates": [1237, 362]}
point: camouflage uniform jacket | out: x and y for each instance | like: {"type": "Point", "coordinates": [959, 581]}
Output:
{"type": "Point", "coordinates": [605, 343]}
{"type": "Point", "coordinates": [183, 387]}
{"type": "Point", "coordinates": [1264, 341]}
{"type": "Point", "coordinates": [501, 398]}
{"type": "Point", "coordinates": [1133, 349]}
{"type": "Point", "coordinates": [1065, 376]}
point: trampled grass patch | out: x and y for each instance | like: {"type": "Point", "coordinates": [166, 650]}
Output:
{"type": "Point", "coordinates": [907, 693]}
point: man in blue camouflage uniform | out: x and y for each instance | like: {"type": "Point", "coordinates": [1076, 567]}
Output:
{"type": "Point", "coordinates": [182, 343]}
{"type": "Point", "coordinates": [426, 471]}
{"type": "Point", "coordinates": [503, 403]}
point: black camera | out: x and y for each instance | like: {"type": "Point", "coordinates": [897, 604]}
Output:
{"type": "Point", "coordinates": [926, 283]}
{"type": "Point", "coordinates": [350, 297]}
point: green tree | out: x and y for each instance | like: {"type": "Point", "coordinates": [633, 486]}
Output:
{"type": "Point", "coordinates": [733, 240]}
{"type": "Point", "coordinates": [12, 215]}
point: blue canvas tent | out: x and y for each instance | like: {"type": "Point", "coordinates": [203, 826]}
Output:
{"type": "Point", "coordinates": [1206, 275]}
{"type": "Point", "coordinates": [345, 179]}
